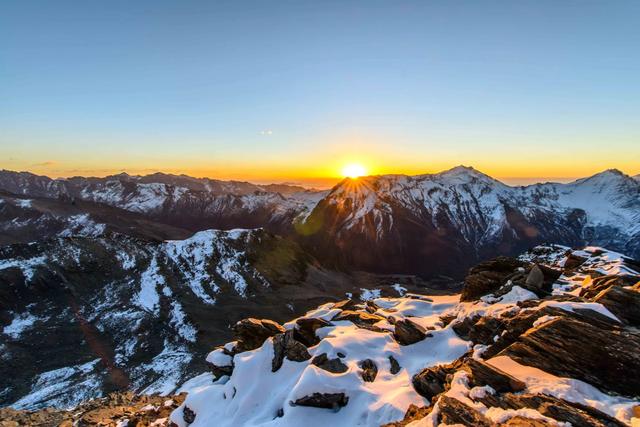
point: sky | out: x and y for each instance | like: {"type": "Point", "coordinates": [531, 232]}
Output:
{"type": "Point", "coordinates": [293, 91]}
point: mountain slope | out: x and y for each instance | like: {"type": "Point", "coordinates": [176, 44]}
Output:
{"type": "Point", "coordinates": [545, 343]}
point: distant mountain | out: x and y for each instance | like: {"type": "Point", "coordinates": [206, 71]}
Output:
{"type": "Point", "coordinates": [442, 222]}
{"type": "Point", "coordinates": [427, 224]}
{"type": "Point", "coordinates": [82, 316]}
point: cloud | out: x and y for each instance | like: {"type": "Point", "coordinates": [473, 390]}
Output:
{"type": "Point", "coordinates": [45, 164]}
{"type": "Point", "coordinates": [266, 132]}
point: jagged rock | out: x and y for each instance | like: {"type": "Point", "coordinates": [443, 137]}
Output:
{"type": "Point", "coordinates": [432, 381]}
{"type": "Point", "coordinates": [251, 333]}
{"type": "Point", "coordinates": [188, 415]}
{"type": "Point", "coordinates": [535, 278]}
{"type": "Point", "coordinates": [395, 366]}
{"type": "Point", "coordinates": [414, 413]}
{"type": "Point", "coordinates": [624, 303]}
{"type": "Point", "coordinates": [285, 345]}
{"type": "Point", "coordinates": [484, 374]}
{"type": "Point", "coordinates": [369, 370]}
{"type": "Point", "coordinates": [358, 318]}
{"type": "Point", "coordinates": [519, 421]}
{"type": "Point", "coordinates": [333, 401]}
{"type": "Point", "coordinates": [305, 330]}
{"type": "Point", "coordinates": [576, 414]}
{"type": "Point", "coordinates": [371, 307]}
{"type": "Point", "coordinates": [452, 411]}
{"type": "Point", "coordinates": [573, 261]}
{"type": "Point", "coordinates": [347, 304]}
{"type": "Point", "coordinates": [487, 277]}
{"type": "Point", "coordinates": [407, 332]}
{"type": "Point", "coordinates": [602, 356]}
{"type": "Point", "coordinates": [335, 366]}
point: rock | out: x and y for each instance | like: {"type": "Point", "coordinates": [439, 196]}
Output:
{"type": "Point", "coordinates": [535, 278]}
{"type": "Point", "coordinates": [407, 332]}
{"type": "Point", "coordinates": [484, 374]}
{"type": "Point", "coordinates": [414, 413]}
{"type": "Point", "coordinates": [285, 345]}
{"type": "Point", "coordinates": [369, 370]}
{"type": "Point", "coordinates": [333, 401]}
{"type": "Point", "coordinates": [358, 318]}
{"type": "Point", "coordinates": [603, 355]}
{"type": "Point", "coordinates": [574, 413]}
{"type": "Point", "coordinates": [623, 302]}
{"type": "Point", "coordinates": [251, 333]}
{"type": "Point", "coordinates": [371, 307]}
{"type": "Point", "coordinates": [305, 330]}
{"type": "Point", "coordinates": [452, 411]}
{"type": "Point", "coordinates": [573, 261]}
{"type": "Point", "coordinates": [347, 304]}
{"type": "Point", "coordinates": [188, 415]}
{"type": "Point", "coordinates": [519, 421]}
{"type": "Point", "coordinates": [395, 366]}
{"type": "Point", "coordinates": [432, 381]}
{"type": "Point", "coordinates": [335, 366]}
{"type": "Point", "coordinates": [487, 277]}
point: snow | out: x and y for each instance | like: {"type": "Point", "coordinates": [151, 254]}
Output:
{"type": "Point", "coordinates": [169, 366]}
{"type": "Point", "coordinates": [27, 266]}
{"type": "Point", "coordinates": [82, 225]}
{"type": "Point", "coordinates": [571, 306]}
{"type": "Point", "coordinates": [401, 290]}
{"type": "Point", "coordinates": [147, 297]}
{"type": "Point", "coordinates": [573, 390]}
{"type": "Point", "coordinates": [24, 203]}
{"type": "Point", "coordinates": [21, 323]}
{"type": "Point", "coordinates": [219, 358]}
{"type": "Point", "coordinates": [369, 294]}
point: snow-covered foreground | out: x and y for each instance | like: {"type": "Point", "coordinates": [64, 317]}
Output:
{"type": "Point", "coordinates": [259, 393]}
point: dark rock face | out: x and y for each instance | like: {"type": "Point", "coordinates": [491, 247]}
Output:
{"type": "Point", "coordinates": [285, 345]}
{"type": "Point", "coordinates": [487, 277]}
{"type": "Point", "coordinates": [251, 333]}
{"type": "Point", "coordinates": [430, 382]}
{"type": "Point", "coordinates": [567, 347]}
{"type": "Point", "coordinates": [369, 370]}
{"type": "Point", "coordinates": [624, 303]}
{"type": "Point", "coordinates": [359, 318]}
{"type": "Point", "coordinates": [485, 374]}
{"type": "Point", "coordinates": [333, 401]}
{"type": "Point", "coordinates": [452, 411]}
{"type": "Point", "coordinates": [573, 261]}
{"type": "Point", "coordinates": [335, 366]}
{"type": "Point", "coordinates": [305, 330]}
{"type": "Point", "coordinates": [407, 332]}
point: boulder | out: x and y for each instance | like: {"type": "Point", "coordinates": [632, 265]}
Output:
{"type": "Point", "coordinates": [603, 355]}
{"type": "Point", "coordinates": [251, 333]}
{"type": "Point", "coordinates": [369, 370]}
{"type": "Point", "coordinates": [488, 277]}
{"type": "Point", "coordinates": [434, 380]}
{"type": "Point", "coordinates": [573, 261]}
{"type": "Point", "coordinates": [414, 413]}
{"type": "Point", "coordinates": [285, 345]}
{"type": "Point", "coordinates": [188, 415]}
{"type": "Point", "coordinates": [407, 332]}
{"type": "Point", "coordinates": [335, 366]}
{"type": "Point", "coordinates": [305, 330]}
{"type": "Point", "coordinates": [358, 318]}
{"type": "Point", "coordinates": [333, 401]}
{"type": "Point", "coordinates": [623, 302]}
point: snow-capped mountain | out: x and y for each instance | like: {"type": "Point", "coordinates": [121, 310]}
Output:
{"type": "Point", "coordinates": [438, 222]}
{"type": "Point", "coordinates": [549, 339]}
{"type": "Point", "coordinates": [427, 224]}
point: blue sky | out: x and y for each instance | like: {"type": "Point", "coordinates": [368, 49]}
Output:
{"type": "Point", "coordinates": [293, 90]}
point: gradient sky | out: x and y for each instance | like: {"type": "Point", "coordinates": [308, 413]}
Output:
{"type": "Point", "coordinates": [292, 91]}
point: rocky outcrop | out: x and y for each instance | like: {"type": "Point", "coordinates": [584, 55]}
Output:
{"type": "Point", "coordinates": [623, 302]}
{"type": "Point", "coordinates": [484, 374]}
{"type": "Point", "coordinates": [305, 330]}
{"type": "Point", "coordinates": [251, 333]}
{"type": "Point", "coordinates": [369, 370]}
{"type": "Point", "coordinates": [453, 412]}
{"type": "Point", "coordinates": [571, 348]}
{"type": "Point", "coordinates": [489, 276]}
{"type": "Point", "coordinates": [335, 365]}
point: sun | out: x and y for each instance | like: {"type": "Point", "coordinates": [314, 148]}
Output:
{"type": "Point", "coordinates": [353, 170]}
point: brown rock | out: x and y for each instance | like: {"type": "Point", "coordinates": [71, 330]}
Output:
{"type": "Point", "coordinates": [358, 318]}
{"type": "Point", "coordinates": [623, 302]}
{"type": "Point", "coordinates": [452, 411]}
{"type": "Point", "coordinates": [285, 345]}
{"type": "Point", "coordinates": [484, 374]}
{"type": "Point", "coordinates": [523, 422]}
{"type": "Point", "coordinates": [407, 332]}
{"type": "Point", "coordinates": [395, 366]}
{"type": "Point", "coordinates": [305, 330]}
{"type": "Point", "coordinates": [188, 415]}
{"type": "Point", "coordinates": [573, 261]}
{"type": "Point", "coordinates": [600, 355]}
{"type": "Point", "coordinates": [335, 366]}
{"type": "Point", "coordinates": [432, 381]}
{"type": "Point", "coordinates": [251, 333]}
{"type": "Point", "coordinates": [369, 370]}
{"type": "Point", "coordinates": [414, 413]}
{"type": "Point", "coordinates": [488, 277]}
{"type": "Point", "coordinates": [333, 401]}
